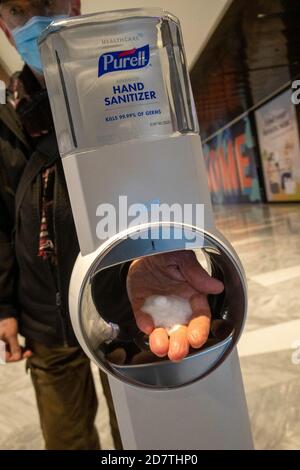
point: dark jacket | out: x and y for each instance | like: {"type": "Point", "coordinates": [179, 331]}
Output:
{"type": "Point", "coordinates": [31, 289]}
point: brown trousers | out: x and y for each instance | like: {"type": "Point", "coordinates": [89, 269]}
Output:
{"type": "Point", "coordinates": [66, 398]}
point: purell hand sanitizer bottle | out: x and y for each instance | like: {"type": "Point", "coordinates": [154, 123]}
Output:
{"type": "Point", "coordinates": [123, 77]}
{"type": "Point", "coordinates": [124, 114]}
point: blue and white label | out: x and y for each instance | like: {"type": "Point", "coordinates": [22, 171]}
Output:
{"type": "Point", "coordinates": [132, 59]}
{"type": "Point", "coordinates": [121, 84]}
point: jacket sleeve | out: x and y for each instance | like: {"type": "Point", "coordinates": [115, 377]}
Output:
{"type": "Point", "coordinates": [8, 270]}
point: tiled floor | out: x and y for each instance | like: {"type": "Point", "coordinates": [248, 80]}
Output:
{"type": "Point", "coordinates": [267, 238]}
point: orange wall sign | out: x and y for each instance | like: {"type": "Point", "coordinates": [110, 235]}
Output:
{"type": "Point", "coordinates": [231, 164]}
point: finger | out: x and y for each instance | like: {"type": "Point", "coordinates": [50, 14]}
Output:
{"type": "Point", "coordinates": [197, 277]}
{"type": "Point", "coordinates": [14, 349]}
{"type": "Point", "coordinates": [179, 345]}
{"type": "Point", "coordinates": [27, 354]}
{"type": "Point", "coordinates": [7, 356]}
{"type": "Point", "coordinates": [144, 322]}
{"type": "Point", "coordinates": [199, 326]}
{"type": "Point", "coordinates": [159, 342]}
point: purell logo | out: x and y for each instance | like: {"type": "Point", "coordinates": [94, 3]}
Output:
{"type": "Point", "coordinates": [124, 60]}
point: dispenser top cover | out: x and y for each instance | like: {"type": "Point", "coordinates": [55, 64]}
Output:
{"type": "Point", "coordinates": [116, 77]}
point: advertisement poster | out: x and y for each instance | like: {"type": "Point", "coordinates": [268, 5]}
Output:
{"type": "Point", "coordinates": [280, 150]}
{"type": "Point", "coordinates": [230, 159]}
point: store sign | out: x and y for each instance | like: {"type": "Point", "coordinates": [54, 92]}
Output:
{"type": "Point", "coordinates": [278, 134]}
{"type": "Point", "coordinates": [231, 164]}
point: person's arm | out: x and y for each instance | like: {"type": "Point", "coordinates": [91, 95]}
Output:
{"type": "Point", "coordinates": [8, 270]}
{"type": "Point", "coordinates": [8, 296]}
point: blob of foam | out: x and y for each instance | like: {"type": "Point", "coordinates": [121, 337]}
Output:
{"type": "Point", "coordinates": [168, 312]}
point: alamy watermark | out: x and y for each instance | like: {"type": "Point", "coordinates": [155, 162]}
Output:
{"type": "Point", "coordinates": [2, 92]}
{"type": "Point", "coordinates": [151, 220]}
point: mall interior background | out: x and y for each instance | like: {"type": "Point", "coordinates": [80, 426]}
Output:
{"type": "Point", "coordinates": [243, 57]}
{"type": "Point", "coordinates": [242, 82]}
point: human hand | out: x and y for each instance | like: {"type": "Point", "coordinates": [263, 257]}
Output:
{"type": "Point", "coordinates": [180, 274]}
{"type": "Point", "coordinates": [9, 334]}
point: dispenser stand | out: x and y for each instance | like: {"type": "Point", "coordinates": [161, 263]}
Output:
{"type": "Point", "coordinates": [211, 414]}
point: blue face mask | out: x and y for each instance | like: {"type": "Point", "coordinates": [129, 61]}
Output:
{"type": "Point", "coordinates": [26, 39]}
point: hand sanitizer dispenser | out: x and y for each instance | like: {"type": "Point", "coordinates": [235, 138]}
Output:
{"type": "Point", "coordinates": [128, 135]}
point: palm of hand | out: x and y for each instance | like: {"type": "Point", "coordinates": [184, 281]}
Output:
{"type": "Point", "coordinates": [180, 274]}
